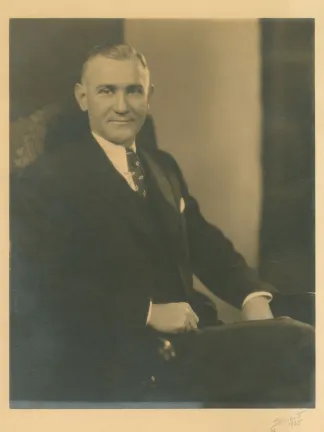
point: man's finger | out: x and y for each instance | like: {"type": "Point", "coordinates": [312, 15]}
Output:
{"type": "Point", "coordinates": [196, 317]}
{"type": "Point", "coordinates": [191, 324]}
{"type": "Point", "coordinates": [187, 310]}
{"type": "Point", "coordinates": [190, 314]}
{"type": "Point", "coordinates": [193, 314]}
{"type": "Point", "coordinates": [187, 307]}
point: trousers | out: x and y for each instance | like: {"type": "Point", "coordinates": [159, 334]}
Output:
{"type": "Point", "coordinates": [268, 363]}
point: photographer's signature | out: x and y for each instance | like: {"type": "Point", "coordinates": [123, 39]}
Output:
{"type": "Point", "coordinates": [290, 422]}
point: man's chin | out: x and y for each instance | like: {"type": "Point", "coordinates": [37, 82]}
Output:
{"type": "Point", "coordinates": [123, 142]}
{"type": "Point", "coordinates": [121, 139]}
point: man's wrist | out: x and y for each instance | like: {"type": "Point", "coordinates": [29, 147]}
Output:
{"type": "Point", "coordinates": [257, 308]}
{"type": "Point", "coordinates": [264, 294]}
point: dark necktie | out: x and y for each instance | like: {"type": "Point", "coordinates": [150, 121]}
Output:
{"type": "Point", "coordinates": [136, 169]}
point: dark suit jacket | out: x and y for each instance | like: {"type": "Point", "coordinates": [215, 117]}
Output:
{"type": "Point", "coordinates": [85, 265]}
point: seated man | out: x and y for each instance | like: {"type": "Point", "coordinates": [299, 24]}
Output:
{"type": "Point", "coordinates": [105, 241]}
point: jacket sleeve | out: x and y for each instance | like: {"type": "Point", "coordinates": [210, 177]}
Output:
{"type": "Point", "coordinates": [214, 259]}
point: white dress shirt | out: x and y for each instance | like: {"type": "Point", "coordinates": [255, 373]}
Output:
{"type": "Point", "coordinates": [117, 155]}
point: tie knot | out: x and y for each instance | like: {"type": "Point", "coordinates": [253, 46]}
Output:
{"type": "Point", "coordinates": [132, 159]}
{"type": "Point", "coordinates": [130, 151]}
{"type": "Point", "coordinates": [135, 167]}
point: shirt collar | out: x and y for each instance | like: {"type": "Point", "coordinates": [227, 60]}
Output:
{"type": "Point", "coordinates": [116, 153]}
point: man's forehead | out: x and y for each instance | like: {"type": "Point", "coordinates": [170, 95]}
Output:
{"type": "Point", "coordinates": [100, 69]}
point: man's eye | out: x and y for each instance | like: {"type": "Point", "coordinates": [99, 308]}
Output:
{"type": "Point", "coordinates": [106, 90]}
{"type": "Point", "coordinates": [135, 90]}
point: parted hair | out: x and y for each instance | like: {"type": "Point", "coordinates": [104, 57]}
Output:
{"type": "Point", "coordinates": [115, 52]}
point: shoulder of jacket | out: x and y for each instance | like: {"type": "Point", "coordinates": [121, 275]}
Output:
{"type": "Point", "coordinates": [166, 159]}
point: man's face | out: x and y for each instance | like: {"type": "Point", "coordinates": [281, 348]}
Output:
{"type": "Point", "coordinates": [115, 93]}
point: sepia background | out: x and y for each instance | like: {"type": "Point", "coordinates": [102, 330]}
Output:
{"type": "Point", "coordinates": [234, 103]}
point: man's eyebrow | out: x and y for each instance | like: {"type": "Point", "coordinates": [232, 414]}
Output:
{"type": "Point", "coordinates": [110, 86]}
{"type": "Point", "coordinates": [134, 86]}
{"type": "Point", "coordinates": [114, 86]}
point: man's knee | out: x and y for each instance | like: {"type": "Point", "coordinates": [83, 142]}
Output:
{"type": "Point", "coordinates": [300, 344]}
{"type": "Point", "coordinates": [301, 332]}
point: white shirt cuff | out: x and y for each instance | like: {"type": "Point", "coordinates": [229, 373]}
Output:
{"type": "Point", "coordinates": [149, 313]}
{"type": "Point", "coordinates": [265, 294]}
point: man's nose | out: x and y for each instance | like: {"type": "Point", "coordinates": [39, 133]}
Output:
{"type": "Point", "coordinates": [121, 105]}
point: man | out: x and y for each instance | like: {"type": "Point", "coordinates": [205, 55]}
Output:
{"type": "Point", "coordinates": [105, 241]}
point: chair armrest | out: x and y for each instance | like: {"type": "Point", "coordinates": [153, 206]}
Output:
{"type": "Point", "coordinates": [300, 306]}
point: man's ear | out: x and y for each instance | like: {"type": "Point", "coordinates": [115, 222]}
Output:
{"type": "Point", "coordinates": [150, 92]}
{"type": "Point", "coordinates": [81, 96]}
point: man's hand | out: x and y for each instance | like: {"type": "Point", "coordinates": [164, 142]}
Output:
{"type": "Point", "coordinates": [173, 318]}
{"type": "Point", "coordinates": [256, 309]}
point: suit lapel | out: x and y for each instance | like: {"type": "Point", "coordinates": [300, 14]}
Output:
{"type": "Point", "coordinates": [162, 195]}
{"type": "Point", "coordinates": [111, 190]}
{"type": "Point", "coordinates": [106, 188]}
{"type": "Point", "coordinates": [161, 180]}
{"type": "Point", "coordinates": [168, 202]}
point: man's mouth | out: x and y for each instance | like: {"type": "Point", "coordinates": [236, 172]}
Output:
{"type": "Point", "coordinates": [121, 121]}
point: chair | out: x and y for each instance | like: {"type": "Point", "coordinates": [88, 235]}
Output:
{"type": "Point", "coordinates": [300, 306]}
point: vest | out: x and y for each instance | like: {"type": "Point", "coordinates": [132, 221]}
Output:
{"type": "Point", "coordinates": [169, 286]}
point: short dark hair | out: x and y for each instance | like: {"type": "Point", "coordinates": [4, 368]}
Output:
{"type": "Point", "coordinates": [116, 52]}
